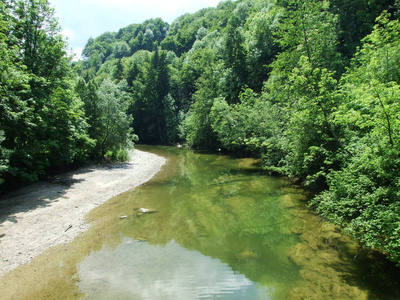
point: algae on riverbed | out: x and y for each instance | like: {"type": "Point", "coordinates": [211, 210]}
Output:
{"type": "Point", "coordinates": [241, 225]}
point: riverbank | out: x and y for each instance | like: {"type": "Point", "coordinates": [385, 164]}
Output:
{"type": "Point", "coordinates": [46, 214]}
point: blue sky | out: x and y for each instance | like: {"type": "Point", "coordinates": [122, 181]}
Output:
{"type": "Point", "coordinates": [82, 19]}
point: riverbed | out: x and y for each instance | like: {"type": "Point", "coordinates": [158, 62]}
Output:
{"type": "Point", "coordinates": [52, 212]}
{"type": "Point", "coordinates": [213, 226]}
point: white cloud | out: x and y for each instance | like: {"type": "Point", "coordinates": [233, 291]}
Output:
{"type": "Point", "coordinates": [82, 19]}
{"type": "Point", "coordinates": [140, 270]}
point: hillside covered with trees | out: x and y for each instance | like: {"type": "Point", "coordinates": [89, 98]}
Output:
{"type": "Point", "coordinates": [310, 86]}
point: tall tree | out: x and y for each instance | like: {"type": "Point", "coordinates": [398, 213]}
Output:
{"type": "Point", "coordinates": [44, 125]}
{"type": "Point", "coordinates": [149, 97]}
{"type": "Point", "coordinates": [262, 48]}
{"type": "Point", "coordinates": [363, 196]}
{"type": "Point", "coordinates": [235, 60]}
{"type": "Point", "coordinates": [106, 108]}
{"type": "Point", "coordinates": [303, 84]}
{"type": "Point", "coordinates": [356, 19]}
{"type": "Point", "coordinates": [13, 85]}
{"type": "Point", "coordinates": [198, 128]}
{"type": "Point", "coordinates": [115, 132]}
{"type": "Point", "coordinates": [37, 34]}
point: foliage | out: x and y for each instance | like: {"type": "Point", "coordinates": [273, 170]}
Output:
{"type": "Point", "coordinates": [246, 127]}
{"type": "Point", "coordinates": [364, 194]}
{"type": "Point", "coordinates": [302, 88]}
{"type": "Point", "coordinates": [309, 86]}
{"type": "Point", "coordinates": [153, 107]}
{"type": "Point", "coordinates": [356, 20]}
{"type": "Point", "coordinates": [259, 32]}
{"type": "Point", "coordinates": [41, 118]}
{"type": "Point", "coordinates": [125, 42]}
{"type": "Point", "coordinates": [110, 126]}
{"type": "Point", "coordinates": [197, 125]}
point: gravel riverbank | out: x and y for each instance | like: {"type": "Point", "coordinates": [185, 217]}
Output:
{"type": "Point", "coordinates": [46, 214]}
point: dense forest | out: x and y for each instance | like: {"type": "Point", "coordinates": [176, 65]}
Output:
{"type": "Point", "coordinates": [310, 86]}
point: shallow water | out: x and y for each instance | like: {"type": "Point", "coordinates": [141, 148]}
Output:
{"type": "Point", "coordinates": [142, 271]}
{"type": "Point", "coordinates": [218, 228]}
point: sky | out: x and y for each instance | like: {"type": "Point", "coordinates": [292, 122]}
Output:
{"type": "Point", "coordinates": [82, 19]}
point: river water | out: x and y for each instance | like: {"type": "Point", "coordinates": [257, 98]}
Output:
{"type": "Point", "coordinates": [217, 227]}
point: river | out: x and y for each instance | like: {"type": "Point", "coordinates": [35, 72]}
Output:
{"type": "Point", "coordinates": [216, 227]}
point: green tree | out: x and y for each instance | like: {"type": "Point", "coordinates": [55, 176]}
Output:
{"type": "Point", "coordinates": [41, 117]}
{"type": "Point", "coordinates": [303, 83]}
{"type": "Point", "coordinates": [151, 88]}
{"type": "Point", "coordinates": [120, 49]}
{"type": "Point", "coordinates": [106, 111]}
{"type": "Point", "coordinates": [37, 33]}
{"type": "Point", "coordinates": [248, 127]}
{"type": "Point", "coordinates": [235, 60]}
{"type": "Point", "coordinates": [259, 33]}
{"type": "Point", "coordinates": [356, 20]}
{"type": "Point", "coordinates": [197, 124]}
{"type": "Point", "coordinates": [118, 72]}
{"type": "Point", "coordinates": [88, 94]}
{"type": "Point", "coordinates": [308, 29]}
{"type": "Point", "coordinates": [115, 132]}
{"type": "Point", "coordinates": [363, 196]}
{"type": "Point", "coordinates": [14, 113]}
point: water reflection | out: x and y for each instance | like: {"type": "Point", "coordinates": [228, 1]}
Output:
{"type": "Point", "coordinates": [137, 270]}
{"type": "Point", "coordinates": [217, 217]}
{"type": "Point", "coordinates": [222, 230]}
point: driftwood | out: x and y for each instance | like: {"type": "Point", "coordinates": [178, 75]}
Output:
{"type": "Point", "coordinates": [69, 227]}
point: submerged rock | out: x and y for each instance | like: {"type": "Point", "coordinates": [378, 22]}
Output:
{"type": "Point", "coordinates": [247, 255]}
{"type": "Point", "coordinates": [142, 211]}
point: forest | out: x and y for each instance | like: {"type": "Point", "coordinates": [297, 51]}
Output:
{"type": "Point", "coordinates": [311, 87]}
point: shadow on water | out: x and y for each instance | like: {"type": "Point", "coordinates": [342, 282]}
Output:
{"type": "Point", "coordinates": [219, 229]}
{"type": "Point", "coordinates": [372, 272]}
{"type": "Point", "coordinates": [333, 266]}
